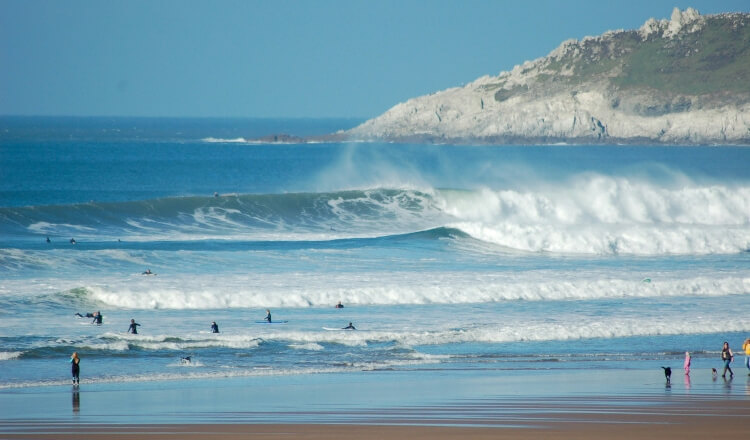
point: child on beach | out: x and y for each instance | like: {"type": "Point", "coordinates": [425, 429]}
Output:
{"type": "Point", "coordinates": [746, 347]}
{"type": "Point", "coordinates": [687, 363]}
{"type": "Point", "coordinates": [76, 369]}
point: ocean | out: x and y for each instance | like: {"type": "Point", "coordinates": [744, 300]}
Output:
{"type": "Point", "coordinates": [478, 259]}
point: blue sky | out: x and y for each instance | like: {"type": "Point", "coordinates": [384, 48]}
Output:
{"type": "Point", "coordinates": [322, 58]}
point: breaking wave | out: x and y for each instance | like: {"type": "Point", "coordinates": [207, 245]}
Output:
{"type": "Point", "coordinates": [596, 215]}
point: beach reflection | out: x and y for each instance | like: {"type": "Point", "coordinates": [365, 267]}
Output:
{"type": "Point", "coordinates": [76, 401]}
{"type": "Point", "coordinates": [687, 382]}
{"type": "Point", "coordinates": [728, 384]}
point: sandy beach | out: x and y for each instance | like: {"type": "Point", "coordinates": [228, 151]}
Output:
{"type": "Point", "coordinates": [697, 417]}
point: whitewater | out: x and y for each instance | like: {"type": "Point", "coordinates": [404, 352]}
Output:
{"type": "Point", "coordinates": [445, 257]}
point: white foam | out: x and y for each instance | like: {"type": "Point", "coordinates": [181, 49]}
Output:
{"type": "Point", "coordinates": [307, 290]}
{"type": "Point", "coordinates": [213, 140]}
{"type": "Point", "coordinates": [606, 215]}
{"type": "Point", "coordinates": [312, 346]}
{"type": "Point", "coordinates": [10, 355]}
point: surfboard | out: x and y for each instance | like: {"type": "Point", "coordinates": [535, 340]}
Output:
{"type": "Point", "coordinates": [333, 329]}
{"type": "Point", "coordinates": [272, 322]}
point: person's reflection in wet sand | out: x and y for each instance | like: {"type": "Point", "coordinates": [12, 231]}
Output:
{"type": "Point", "coordinates": [76, 401]}
{"type": "Point", "coordinates": [728, 384]}
{"type": "Point", "coordinates": [687, 382]}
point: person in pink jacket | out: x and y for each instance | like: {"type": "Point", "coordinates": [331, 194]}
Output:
{"type": "Point", "coordinates": [687, 362]}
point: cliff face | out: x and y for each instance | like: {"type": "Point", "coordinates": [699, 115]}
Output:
{"type": "Point", "coordinates": [679, 81]}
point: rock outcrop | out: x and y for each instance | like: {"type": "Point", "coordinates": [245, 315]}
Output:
{"type": "Point", "coordinates": [679, 81]}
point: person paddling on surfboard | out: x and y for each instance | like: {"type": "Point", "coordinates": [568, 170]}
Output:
{"type": "Point", "coordinates": [349, 327]}
{"type": "Point", "coordinates": [96, 315]}
{"type": "Point", "coordinates": [268, 316]}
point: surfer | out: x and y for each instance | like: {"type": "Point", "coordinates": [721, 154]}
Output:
{"type": "Point", "coordinates": [727, 356]}
{"type": "Point", "coordinates": [147, 272]}
{"type": "Point", "coordinates": [72, 241]}
{"type": "Point", "coordinates": [339, 305]}
{"type": "Point", "coordinates": [133, 327]}
{"type": "Point", "coordinates": [76, 368]}
{"type": "Point", "coordinates": [349, 327]}
{"type": "Point", "coordinates": [268, 316]}
{"type": "Point", "coordinates": [48, 240]}
{"type": "Point", "coordinates": [96, 315]}
{"type": "Point", "coordinates": [214, 327]}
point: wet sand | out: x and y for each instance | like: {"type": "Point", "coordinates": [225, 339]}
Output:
{"type": "Point", "coordinates": [611, 404]}
{"type": "Point", "coordinates": [644, 417]}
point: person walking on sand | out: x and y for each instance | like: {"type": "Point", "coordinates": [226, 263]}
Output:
{"type": "Point", "coordinates": [75, 367]}
{"type": "Point", "coordinates": [746, 347]}
{"type": "Point", "coordinates": [686, 365]}
{"type": "Point", "coordinates": [133, 327]}
{"type": "Point", "coordinates": [727, 356]}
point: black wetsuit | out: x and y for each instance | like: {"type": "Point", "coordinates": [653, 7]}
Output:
{"type": "Point", "coordinates": [98, 318]}
{"type": "Point", "coordinates": [214, 328]}
{"type": "Point", "coordinates": [76, 369]}
{"type": "Point", "coordinates": [132, 329]}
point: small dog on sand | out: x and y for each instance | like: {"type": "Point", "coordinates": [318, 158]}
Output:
{"type": "Point", "coordinates": [668, 374]}
{"type": "Point", "coordinates": [714, 373]}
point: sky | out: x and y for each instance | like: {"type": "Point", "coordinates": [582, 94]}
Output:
{"type": "Point", "coordinates": [308, 59]}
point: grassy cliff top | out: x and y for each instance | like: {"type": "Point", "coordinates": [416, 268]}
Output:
{"type": "Point", "coordinates": [707, 56]}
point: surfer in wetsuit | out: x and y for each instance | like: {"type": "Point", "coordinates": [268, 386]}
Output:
{"type": "Point", "coordinates": [133, 327]}
{"type": "Point", "coordinates": [339, 305]}
{"type": "Point", "coordinates": [268, 316]}
{"type": "Point", "coordinates": [349, 327]}
{"type": "Point", "coordinates": [214, 327]}
{"type": "Point", "coordinates": [96, 315]}
{"type": "Point", "coordinates": [75, 367]}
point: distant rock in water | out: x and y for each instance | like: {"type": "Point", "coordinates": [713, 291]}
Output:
{"type": "Point", "coordinates": [280, 138]}
{"type": "Point", "coordinates": [679, 81]}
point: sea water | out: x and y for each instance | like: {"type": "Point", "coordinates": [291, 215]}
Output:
{"type": "Point", "coordinates": [445, 257]}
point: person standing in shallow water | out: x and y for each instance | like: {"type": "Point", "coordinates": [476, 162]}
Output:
{"type": "Point", "coordinates": [686, 365]}
{"type": "Point", "coordinates": [214, 327]}
{"type": "Point", "coordinates": [75, 367]}
{"type": "Point", "coordinates": [727, 356]}
{"type": "Point", "coordinates": [746, 347]}
{"type": "Point", "coordinates": [133, 327]}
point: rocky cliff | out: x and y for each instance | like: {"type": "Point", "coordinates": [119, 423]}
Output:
{"type": "Point", "coordinates": [679, 81]}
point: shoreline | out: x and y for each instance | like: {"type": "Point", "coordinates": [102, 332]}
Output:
{"type": "Point", "coordinates": [426, 403]}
